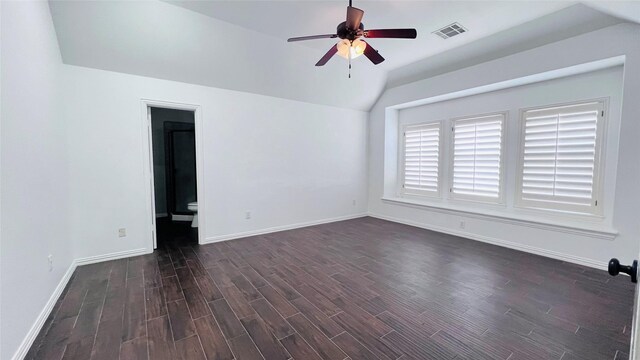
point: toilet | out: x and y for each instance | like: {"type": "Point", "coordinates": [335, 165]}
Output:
{"type": "Point", "coordinates": [193, 206]}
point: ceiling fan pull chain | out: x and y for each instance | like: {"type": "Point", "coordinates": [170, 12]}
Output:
{"type": "Point", "coordinates": [349, 56]}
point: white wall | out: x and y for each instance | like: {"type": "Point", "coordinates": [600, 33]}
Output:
{"type": "Point", "coordinates": [34, 210]}
{"type": "Point", "coordinates": [623, 198]}
{"type": "Point", "coordinates": [287, 162]}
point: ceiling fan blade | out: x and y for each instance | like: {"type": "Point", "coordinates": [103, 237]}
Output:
{"type": "Point", "coordinates": [391, 33]}
{"type": "Point", "coordinates": [372, 54]}
{"type": "Point", "coordinates": [312, 37]}
{"type": "Point", "coordinates": [354, 18]}
{"type": "Point", "coordinates": [328, 55]}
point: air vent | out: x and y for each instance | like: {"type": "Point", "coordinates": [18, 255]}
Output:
{"type": "Point", "coordinates": [450, 30]}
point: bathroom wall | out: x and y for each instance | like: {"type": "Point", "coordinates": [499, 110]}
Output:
{"type": "Point", "coordinates": [34, 221]}
{"type": "Point", "coordinates": [159, 117]}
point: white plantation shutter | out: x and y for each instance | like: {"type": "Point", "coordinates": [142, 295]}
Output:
{"type": "Point", "coordinates": [559, 159]}
{"type": "Point", "coordinates": [477, 155]}
{"type": "Point", "coordinates": [421, 159]}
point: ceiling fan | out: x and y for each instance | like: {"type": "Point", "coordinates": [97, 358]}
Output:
{"type": "Point", "coordinates": [351, 33]}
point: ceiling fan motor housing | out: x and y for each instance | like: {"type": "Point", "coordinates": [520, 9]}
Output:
{"type": "Point", "coordinates": [345, 33]}
{"type": "Point", "coordinates": [352, 29]}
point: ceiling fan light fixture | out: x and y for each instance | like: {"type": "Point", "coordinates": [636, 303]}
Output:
{"type": "Point", "coordinates": [351, 46]}
{"type": "Point", "coordinates": [356, 48]}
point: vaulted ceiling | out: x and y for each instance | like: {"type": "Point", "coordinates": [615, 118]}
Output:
{"type": "Point", "coordinates": [241, 45]}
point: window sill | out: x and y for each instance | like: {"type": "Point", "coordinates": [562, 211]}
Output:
{"type": "Point", "coordinates": [594, 230]}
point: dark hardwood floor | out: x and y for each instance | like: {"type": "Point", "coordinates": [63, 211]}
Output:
{"type": "Point", "coordinates": [358, 289]}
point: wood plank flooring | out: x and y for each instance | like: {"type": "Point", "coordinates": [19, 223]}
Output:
{"type": "Point", "coordinates": [357, 289]}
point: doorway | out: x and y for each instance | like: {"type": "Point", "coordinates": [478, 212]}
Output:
{"type": "Point", "coordinates": [173, 162]}
{"type": "Point", "coordinates": [174, 157]}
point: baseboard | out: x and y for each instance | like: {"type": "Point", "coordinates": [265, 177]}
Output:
{"type": "Point", "coordinates": [24, 347]}
{"type": "Point", "coordinates": [28, 340]}
{"type": "Point", "coordinates": [508, 244]}
{"type": "Point", "coordinates": [279, 228]}
{"type": "Point", "coordinates": [111, 256]}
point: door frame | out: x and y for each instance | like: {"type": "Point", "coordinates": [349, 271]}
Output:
{"type": "Point", "coordinates": [634, 352]}
{"type": "Point", "coordinates": [147, 158]}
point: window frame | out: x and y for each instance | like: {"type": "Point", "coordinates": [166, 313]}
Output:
{"type": "Point", "coordinates": [596, 208]}
{"type": "Point", "coordinates": [401, 190]}
{"type": "Point", "coordinates": [500, 200]}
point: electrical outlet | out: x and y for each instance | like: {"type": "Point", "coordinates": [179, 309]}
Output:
{"type": "Point", "coordinates": [462, 224]}
{"type": "Point", "coordinates": [50, 261]}
{"type": "Point", "coordinates": [122, 232]}
{"type": "Point", "coordinates": [354, 202]}
{"type": "Point", "coordinates": [247, 215]}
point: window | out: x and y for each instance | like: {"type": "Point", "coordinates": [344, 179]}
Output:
{"type": "Point", "coordinates": [559, 158]}
{"type": "Point", "coordinates": [477, 158]}
{"type": "Point", "coordinates": [421, 159]}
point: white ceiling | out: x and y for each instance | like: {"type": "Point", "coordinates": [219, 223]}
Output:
{"type": "Point", "coordinates": [241, 45]}
{"type": "Point", "coordinates": [627, 10]}
{"type": "Point", "coordinates": [285, 19]}
{"type": "Point", "coordinates": [568, 22]}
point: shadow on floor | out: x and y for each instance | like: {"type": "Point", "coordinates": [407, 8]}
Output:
{"type": "Point", "coordinates": [175, 233]}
